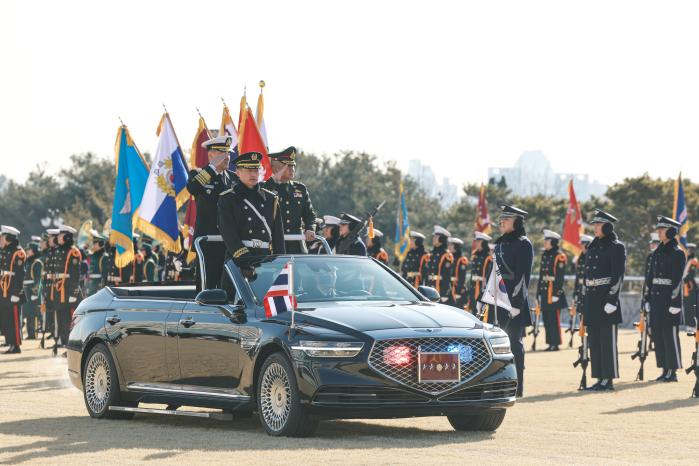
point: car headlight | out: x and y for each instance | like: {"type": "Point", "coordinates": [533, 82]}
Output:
{"type": "Point", "coordinates": [329, 349]}
{"type": "Point", "coordinates": [500, 344]}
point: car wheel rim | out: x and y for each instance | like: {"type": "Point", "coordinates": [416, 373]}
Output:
{"type": "Point", "coordinates": [98, 382]}
{"type": "Point", "coordinates": [275, 396]}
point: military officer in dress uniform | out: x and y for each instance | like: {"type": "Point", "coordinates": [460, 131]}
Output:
{"type": "Point", "coordinates": [33, 271]}
{"type": "Point", "coordinates": [550, 293]}
{"type": "Point", "coordinates": [48, 303]}
{"type": "Point", "coordinates": [11, 287]}
{"type": "Point", "coordinates": [206, 185]}
{"type": "Point", "coordinates": [98, 263]}
{"type": "Point", "coordinates": [331, 233]}
{"type": "Point", "coordinates": [459, 293]}
{"type": "Point", "coordinates": [690, 286]}
{"type": "Point", "coordinates": [136, 275]}
{"type": "Point", "coordinates": [150, 266]}
{"type": "Point", "coordinates": [249, 215]}
{"type": "Point", "coordinates": [440, 265]}
{"type": "Point", "coordinates": [295, 202]}
{"type": "Point", "coordinates": [345, 244]}
{"type": "Point", "coordinates": [578, 287]}
{"type": "Point", "coordinates": [374, 249]}
{"type": "Point", "coordinates": [605, 264]}
{"type": "Point", "coordinates": [481, 263]}
{"type": "Point", "coordinates": [663, 298]}
{"type": "Point", "coordinates": [67, 281]}
{"type": "Point", "coordinates": [411, 267]}
{"type": "Point", "coordinates": [514, 255]}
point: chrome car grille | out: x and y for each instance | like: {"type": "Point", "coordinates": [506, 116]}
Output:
{"type": "Point", "coordinates": [407, 374]}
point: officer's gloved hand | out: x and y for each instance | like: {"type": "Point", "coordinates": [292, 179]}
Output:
{"type": "Point", "coordinates": [479, 306]}
{"type": "Point", "coordinates": [178, 264]}
{"type": "Point", "coordinates": [646, 306]}
{"type": "Point", "coordinates": [310, 235]}
{"type": "Point", "coordinates": [515, 312]}
{"type": "Point", "coordinates": [33, 297]}
{"type": "Point", "coordinates": [72, 299]}
{"type": "Point", "coordinates": [14, 299]}
{"type": "Point", "coordinates": [554, 299]}
{"type": "Point", "coordinates": [675, 310]}
{"type": "Point", "coordinates": [609, 308]}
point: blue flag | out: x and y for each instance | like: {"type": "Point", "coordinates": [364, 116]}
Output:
{"type": "Point", "coordinates": [402, 238]}
{"type": "Point", "coordinates": [131, 176]}
{"type": "Point", "coordinates": [679, 211]}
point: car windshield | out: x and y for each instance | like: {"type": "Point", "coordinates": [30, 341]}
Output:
{"type": "Point", "coordinates": [327, 278]}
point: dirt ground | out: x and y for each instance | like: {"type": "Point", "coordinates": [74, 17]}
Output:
{"type": "Point", "coordinates": [43, 420]}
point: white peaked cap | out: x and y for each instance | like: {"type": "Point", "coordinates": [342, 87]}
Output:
{"type": "Point", "coordinates": [441, 231]}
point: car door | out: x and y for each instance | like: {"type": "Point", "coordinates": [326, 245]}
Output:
{"type": "Point", "coordinates": [136, 330]}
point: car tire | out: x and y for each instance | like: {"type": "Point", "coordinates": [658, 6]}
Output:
{"type": "Point", "coordinates": [488, 422]}
{"type": "Point", "coordinates": [101, 386]}
{"type": "Point", "coordinates": [278, 400]}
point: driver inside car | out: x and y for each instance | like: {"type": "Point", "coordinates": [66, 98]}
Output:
{"type": "Point", "coordinates": [322, 286]}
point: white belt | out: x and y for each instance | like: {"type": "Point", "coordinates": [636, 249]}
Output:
{"type": "Point", "coordinates": [412, 274]}
{"type": "Point", "coordinates": [548, 278]}
{"type": "Point", "coordinates": [297, 237]}
{"type": "Point", "coordinates": [28, 282]}
{"type": "Point", "coordinates": [256, 243]}
{"type": "Point", "coordinates": [95, 275]}
{"type": "Point", "coordinates": [62, 275]}
{"type": "Point", "coordinates": [6, 272]}
{"type": "Point", "coordinates": [662, 281]}
{"type": "Point", "coordinates": [476, 279]}
{"type": "Point", "coordinates": [598, 281]}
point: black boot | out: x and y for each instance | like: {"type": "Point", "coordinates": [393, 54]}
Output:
{"type": "Point", "coordinates": [595, 386]}
{"type": "Point", "coordinates": [661, 377]}
{"type": "Point", "coordinates": [671, 376]}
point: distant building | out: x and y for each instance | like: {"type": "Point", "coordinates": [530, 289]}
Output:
{"type": "Point", "coordinates": [446, 192]}
{"type": "Point", "coordinates": [532, 174]}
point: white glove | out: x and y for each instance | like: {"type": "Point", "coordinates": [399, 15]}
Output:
{"type": "Point", "coordinates": [178, 264]}
{"type": "Point", "coordinates": [554, 299]}
{"type": "Point", "coordinates": [609, 308]}
{"type": "Point", "coordinates": [34, 297]}
{"type": "Point", "coordinates": [72, 299]}
{"type": "Point", "coordinates": [14, 299]}
{"type": "Point", "coordinates": [646, 306]}
{"type": "Point", "coordinates": [515, 312]}
{"type": "Point", "coordinates": [675, 310]}
{"type": "Point", "coordinates": [310, 235]}
{"type": "Point", "coordinates": [479, 306]}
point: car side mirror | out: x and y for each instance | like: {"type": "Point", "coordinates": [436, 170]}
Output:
{"type": "Point", "coordinates": [211, 297]}
{"type": "Point", "coordinates": [429, 293]}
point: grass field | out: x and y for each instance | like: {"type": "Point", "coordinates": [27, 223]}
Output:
{"type": "Point", "coordinates": [43, 420]}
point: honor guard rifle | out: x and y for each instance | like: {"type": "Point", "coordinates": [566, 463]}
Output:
{"type": "Point", "coordinates": [642, 326]}
{"type": "Point", "coordinates": [695, 362]}
{"type": "Point", "coordinates": [535, 331]}
{"type": "Point", "coordinates": [583, 355]}
{"type": "Point", "coordinates": [356, 231]}
{"type": "Point", "coordinates": [571, 328]}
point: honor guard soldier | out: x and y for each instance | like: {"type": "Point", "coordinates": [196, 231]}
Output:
{"type": "Point", "coordinates": [605, 263]}
{"type": "Point", "coordinates": [481, 263]}
{"type": "Point", "coordinates": [11, 287]}
{"type": "Point", "coordinates": [374, 249]}
{"type": "Point", "coordinates": [67, 281]}
{"type": "Point", "coordinates": [578, 287]}
{"type": "Point", "coordinates": [459, 293]}
{"type": "Point", "coordinates": [117, 276]}
{"type": "Point", "coordinates": [249, 216]}
{"type": "Point", "coordinates": [331, 233]}
{"type": "Point", "coordinates": [98, 263]}
{"type": "Point", "coordinates": [33, 271]}
{"type": "Point", "coordinates": [150, 266]}
{"type": "Point", "coordinates": [439, 267]}
{"type": "Point", "coordinates": [663, 299]}
{"type": "Point", "coordinates": [514, 255]}
{"type": "Point", "coordinates": [348, 243]}
{"type": "Point", "coordinates": [136, 275]}
{"type": "Point", "coordinates": [206, 185]}
{"type": "Point", "coordinates": [411, 267]}
{"type": "Point", "coordinates": [297, 209]}
{"type": "Point", "coordinates": [690, 287]}
{"type": "Point", "coordinates": [550, 293]}
{"type": "Point", "coordinates": [47, 290]}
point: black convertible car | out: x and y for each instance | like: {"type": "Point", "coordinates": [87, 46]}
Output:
{"type": "Point", "coordinates": [363, 343]}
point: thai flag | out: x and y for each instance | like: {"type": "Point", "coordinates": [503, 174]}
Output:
{"type": "Point", "coordinates": [280, 296]}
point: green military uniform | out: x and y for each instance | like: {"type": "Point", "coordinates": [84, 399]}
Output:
{"type": "Point", "coordinates": [98, 263]}
{"type": "Point", "coordinates": [33, 272]}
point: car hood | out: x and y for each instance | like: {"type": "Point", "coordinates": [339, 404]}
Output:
{"type": "Point", "coordinates": [363, 317]}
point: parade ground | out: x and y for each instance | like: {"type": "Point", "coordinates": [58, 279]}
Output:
{"type": "Point", "coordinates": [43, 420]}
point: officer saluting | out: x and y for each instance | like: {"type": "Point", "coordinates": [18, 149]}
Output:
{"type": "Point", "coordinates": [206, 185]}
{"type": "Point", "coordinates": [481, 263]}
{"type": "Point", "coordinates": [514, 255]}
{"type": "Point", "coordinates": [664, 298]}
{"type": "Point", "coordinates": [410, 268]}
{"type": "Point", "coordinates": [11, 287]}
{"type": "Point", "coordinates": [550, 293]}
{"type": "Point", "coordinates": [249, 216]}
{"type": "Point", "coordinates": [605, 263]}
{"type": "Point", "coordinates": [439, 267]}
{"type": "Point", "coordinates": [347, 244]}
{"type": "Point", "coordinates": [297, 209]}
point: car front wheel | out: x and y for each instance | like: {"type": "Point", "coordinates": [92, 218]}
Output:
{"type": "Point", "coordinates": [281, 412]}
{"type": "Point", "coordinates": [101, 385]}
{"type": "Point", "coordinates": [488, 422]}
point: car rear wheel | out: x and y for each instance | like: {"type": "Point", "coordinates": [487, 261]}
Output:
{"type": "Point", "coordinates": [101, 386]}
{"type": "Point", "coordinates": [278, 404]}
{"type": "Point", "coordinates": [484, 422]}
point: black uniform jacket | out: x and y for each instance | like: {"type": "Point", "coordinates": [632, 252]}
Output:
{"type": "Point", "coordinates": [240, 214]}
{"type": "Point", "coordinates": [481, 264]}
{"type": "Point", "coordinates": [439, 271]}
{"type": "Point", "coordinates": [551, 278]}
{"type": "Point", "coordinates": [578, 288]}
{"type": "Point", "coordinates": [295, 204]}
{"type": "Point", "coordinates": [514, 255]}
{"type": "Point", "coordinates": [605, 263]}
{"type": "Point", "coordinates": [357, 248]}
{"type": "Point", "coordinates": [206, 186]}
{"type": "Point", "coordinates": [12, 279]}
{"type": "Point", "coordinates": [664, 283]}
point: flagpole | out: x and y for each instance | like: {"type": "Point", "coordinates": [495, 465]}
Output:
{"type": "Point", "coordinates": [292, 296]}
{"type": "Point", "coordinates": [495, 292]}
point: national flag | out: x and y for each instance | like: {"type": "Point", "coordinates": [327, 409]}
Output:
{"type": "Point", "coordinates": [573, 225]}
{"type": "Point", "coordinates": [198, 158]}
{"type": "Point", "coordinates": [679, 212]}
{"type": "Point", "coordinates": [84, 235]}
{"type": "Point", "coordinates": [280, 296]}
{"type": "Point", "coordinates": [402, 238]}
{"type": "Point", "coordinates": [250, 140]}
{"type": "Point", "coordinates": [131, 175]}
{"type": "Point", "coordinates": [228, 128]}
{"type": "Point", "coordinates": [495, 292]}
{"type": "Point", "coordinates": [482, 223]}
{"type": "Point", "coordinates": [166, 189]}
{"type": "Point", "coordinates": [259, 114]}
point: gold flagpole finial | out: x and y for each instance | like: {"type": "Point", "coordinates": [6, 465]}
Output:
{"type": "Point", "coordinates": [261, 84]}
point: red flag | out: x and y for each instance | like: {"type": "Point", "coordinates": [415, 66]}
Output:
{"type": "Point", "coordinates": [572, 227]}
{"type": "Point", "coordinates": [250, 139]}
{"type": "Point", "coordinates": [482, 217]}
{"type": "Point", "coordinates": [198, 158]}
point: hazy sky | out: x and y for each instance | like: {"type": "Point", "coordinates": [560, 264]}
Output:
{"type": "Point", "coordinates": [609, 88]}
